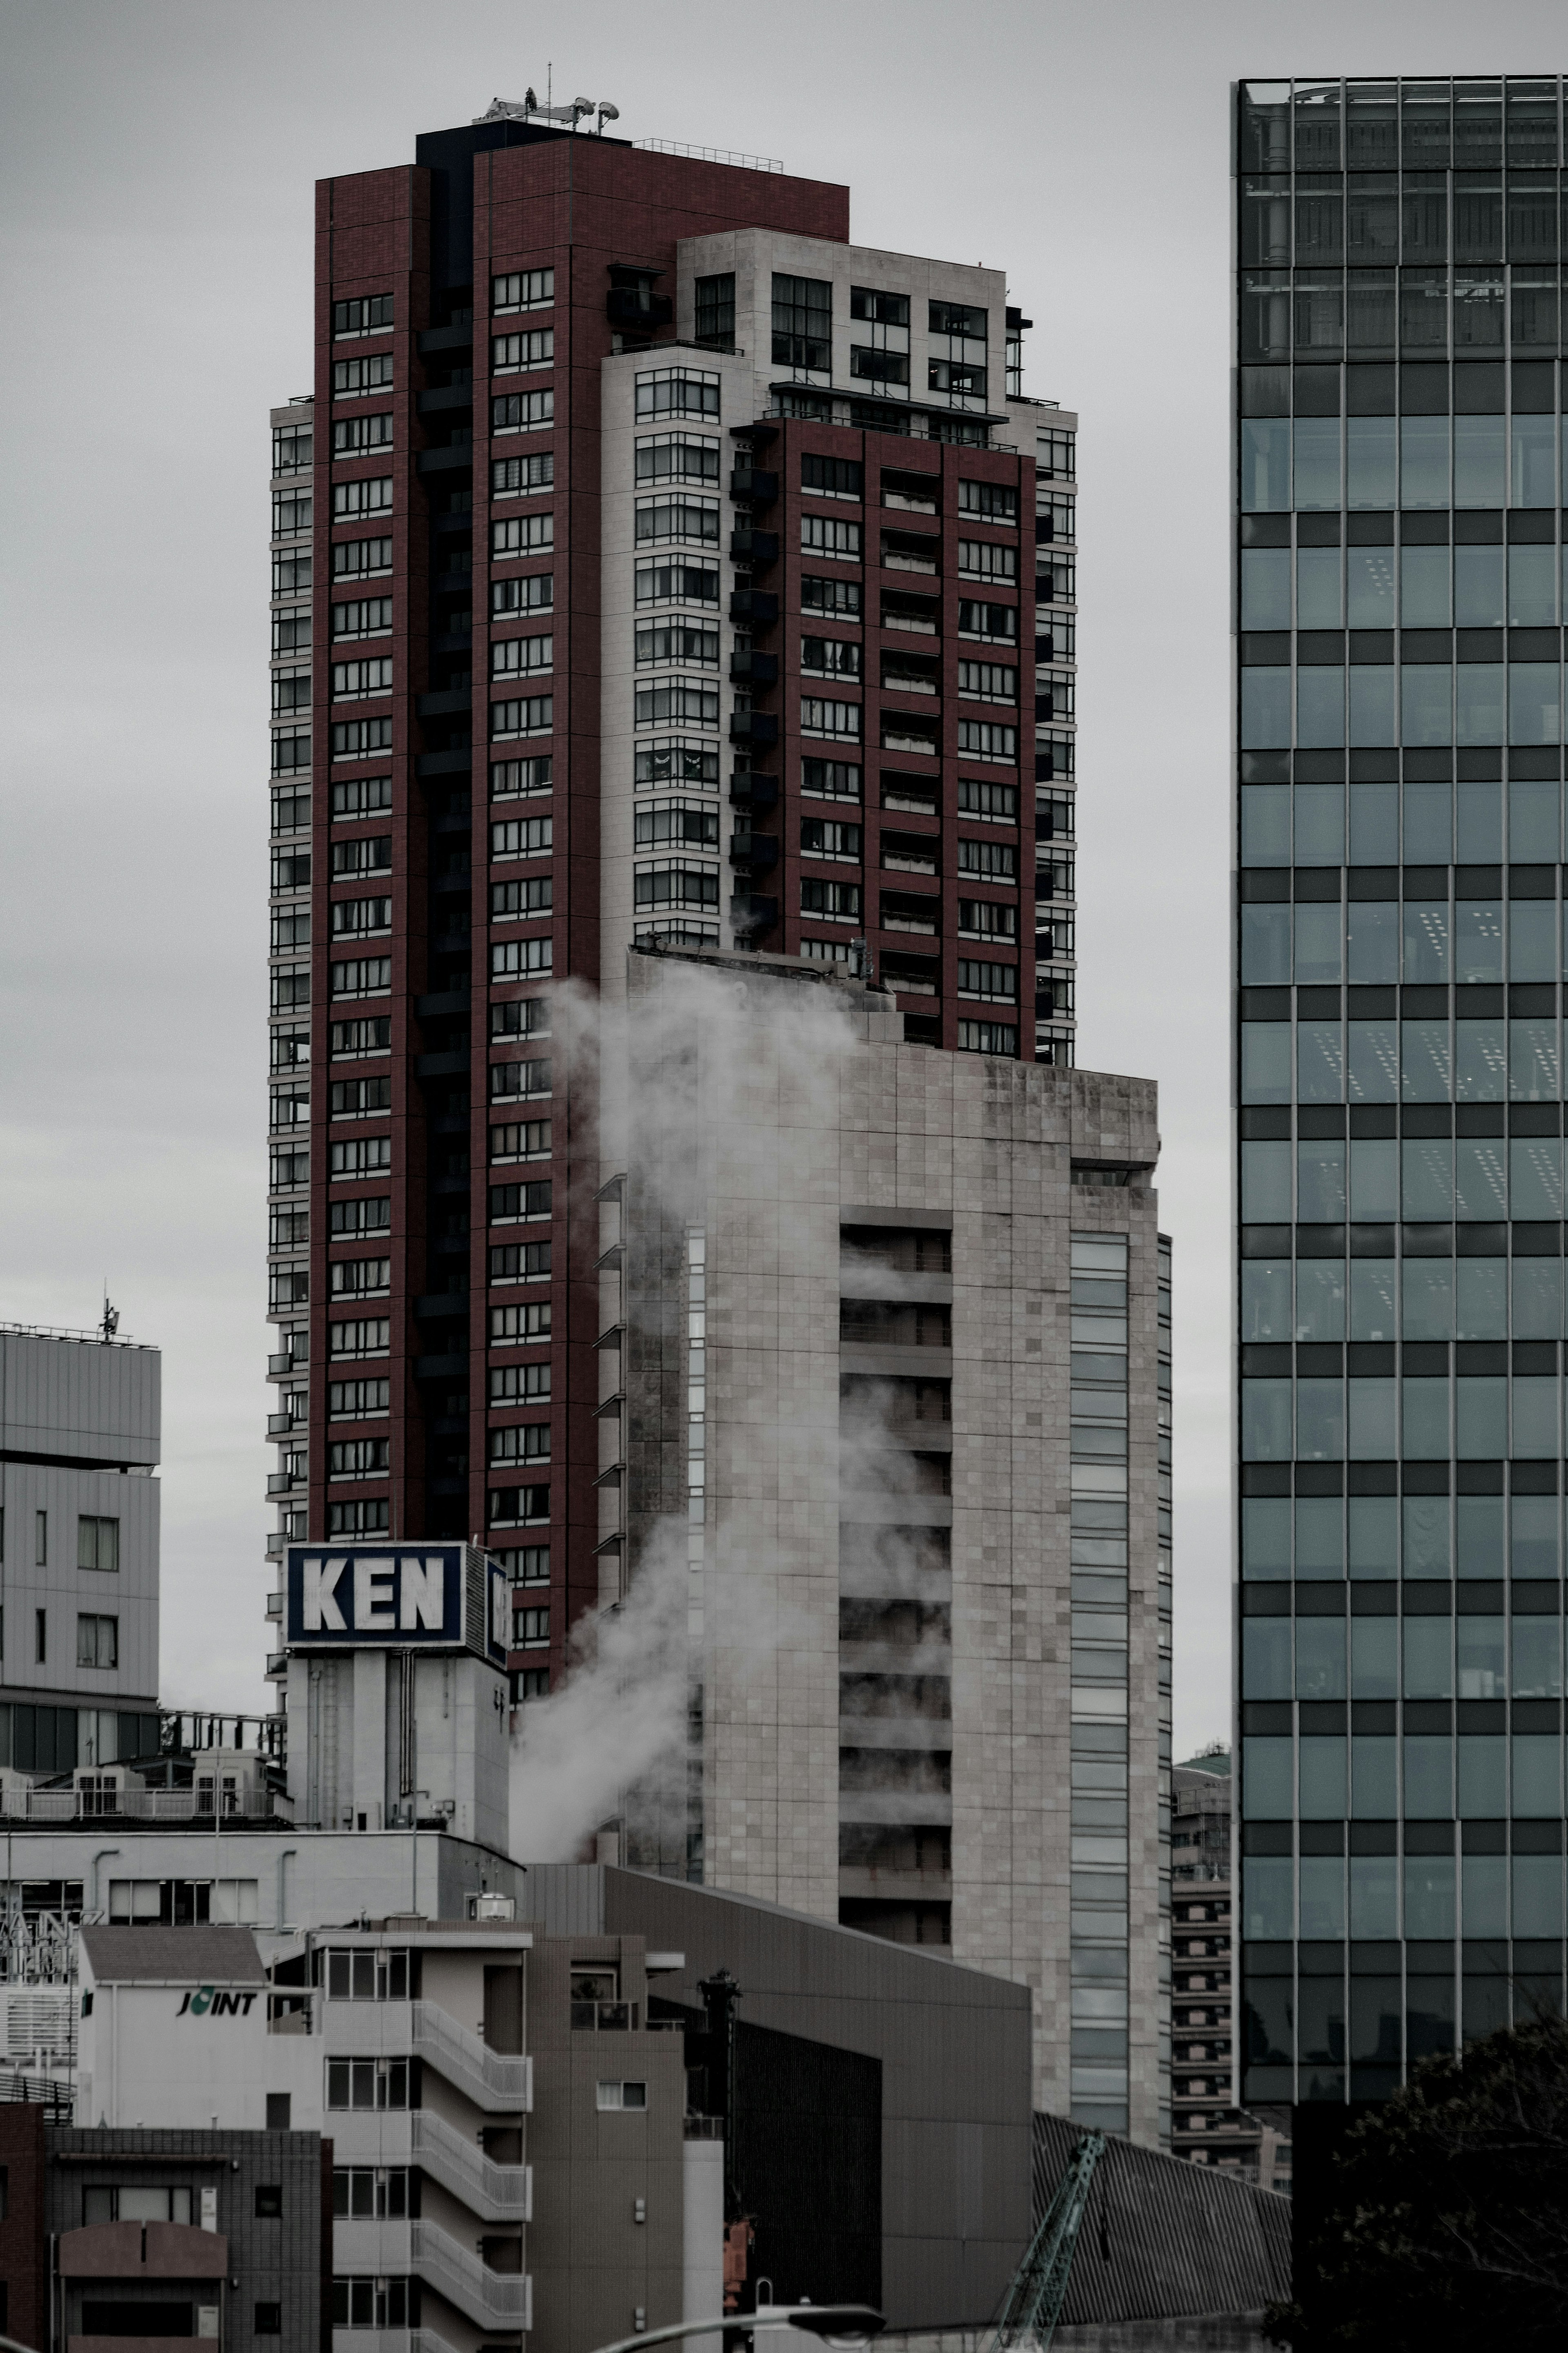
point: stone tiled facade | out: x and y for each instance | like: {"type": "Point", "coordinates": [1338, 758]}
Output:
{"type": "Point", "coordinates": [879, 1627]}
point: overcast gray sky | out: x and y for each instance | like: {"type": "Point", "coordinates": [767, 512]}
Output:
{"type": "Point", "coordinates": [156, 168]}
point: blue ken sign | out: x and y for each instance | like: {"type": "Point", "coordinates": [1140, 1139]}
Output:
{"type": "Point", "coordinates": [446, 1595]}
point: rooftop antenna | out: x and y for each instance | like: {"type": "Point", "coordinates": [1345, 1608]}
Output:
{"type": "Point", "coordinates": [111, 1323]}
{"type": "Point", "coordinates": [607, 113]}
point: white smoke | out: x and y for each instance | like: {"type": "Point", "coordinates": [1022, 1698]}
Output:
{"type": "Point", "coordinates": [743, 1066]}
{"type": "Point", "coordinates": [619, 1712]}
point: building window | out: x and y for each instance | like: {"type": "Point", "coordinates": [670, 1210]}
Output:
{"type": "Point", "coordinates": [511, 655]}
{"type": "Point", "coordinates": [802, 324]}
{"type": "Point", "coordinates": [831, 902]}
{"type": "Point", "coordinates": [826, 535]}
{"type": "Point", "coordinates": [365, 1337]}
{"type": "Point", "coordinates": [531, 714]}
{"type": "Point", "coordinates": [371, 495]}
{"type": "Point", "coordinates": [820, 717]}
{"type": "Point", "coordinates": [352, 378]}
{"type": "Point", "coordinates": [41, 1540]}
{"type": "Point", "coordinates": [98, 1543]}
{"type": "Point", "coordinates": [268, 2321]}
{"type": "Point", "coordinates": [987, 1037]}
{"type": "Point", "coordinates": [832, 478]}
{"type": "Point", "coordinates": [536, 348]}
{"type": "Point", "coordinates": [40, 1636]}
{"type": "Point", "coordinates": [522, 289]}
{"type": "Point", "coordinates": [530, 1625]}
{"type": "Point", "coordinates": [676, 392]}
{"type": "Point", "coordinates": [716, 312]}
{"type": "Point", "coordinates": [626, 2095]}
{"type": "Point", "coordinates": [379, 2304]}
{"type": "Point", "coordinates": [291, 447]}
{"type": "Point", "coordinates": [986, 559]}
{"type": "Point", "coordinates": [359, 437]}
{"type": "Point", "coordinates": [366, 1518]}
{"type": "Point", "coordinates": [993, 502]}
{"type": "Point", "coordinates": [677, 518]}
{"type": "Point", "coordinates": [97, 1641]}
{"type": "Point", "coordinates": [369, 315]}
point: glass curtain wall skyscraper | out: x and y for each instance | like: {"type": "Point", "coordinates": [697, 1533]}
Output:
{"type": "Point", "coordinates": [1400, 488]}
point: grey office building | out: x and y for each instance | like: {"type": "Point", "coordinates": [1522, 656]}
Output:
{"type": "Point", "coordinates": [1398, 449]}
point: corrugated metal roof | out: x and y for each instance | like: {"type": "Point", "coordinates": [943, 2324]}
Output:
{"type": "Point", "coordinates": [206, 1956]}
{"type": "Point", "coordinates": [1163, 2239]}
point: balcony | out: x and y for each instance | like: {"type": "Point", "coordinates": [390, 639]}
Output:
{"type": "Point", "coordinates": [755, 483]}
{"type": "Point", "coordinates": [435, 340]}
{"type": "Point", "coordinates": [636, 310]}
{"type": "Point", "coordinates": [459, 456]}
{"type": "Point", "coordinates": [750, 791]}
{"type": "Point", "coordinates": [755, 547]}
{"type": "Point", "coordinates": [758, 727]}
{"type": "Point", "coordinates": [495, 2082]}
{"type": "Point", "coordinates": [25, 1802]}
{"type": "Point", "coordinates": [447, 397]}
{"type": "Point", "coordinates": [757, 608]}
{"type": "Point", "coordinates": [274, 1605]}
{"type": "Point", "coordinates": [754, 670]}
{"type": "Point", "coordinates": [757, 852]}
{"type": "Point", "coordinates": [277, 1670]}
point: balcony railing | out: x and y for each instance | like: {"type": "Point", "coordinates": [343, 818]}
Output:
{"type": "Point", "coordinates": [20, 1802]}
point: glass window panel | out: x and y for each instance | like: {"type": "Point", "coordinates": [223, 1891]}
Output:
{"type": "Point", "coordinates": [1371, 1420]}
{"type": "Point", "coordinates": [1264, 1063]}
{"type": "Point", "coordinates": [1481, 1071]}
{"type": "Point", "coordinates": [1537, 1775]}
{"type": "Point", "coordinates": [1537, 1297]}
{"type": "Point", "coordinates": [1374, 1878]}
{"type": "Point", "coordinates": [1321, 808]}
{"type": "Point", "coordinates": [1266, 1763]}
{"type": "Point", "coordinates": [1374, 940]}
{"type": "Point", "coordinates": [1321, 1301]}
{"type": "Point", "coordinates": [1374, 1525]}
{"type": "Point", "coordinates": [1320, 1421]}
{"type": "Point", "coordinates": [1266, 1421]}
{"type": "Point", "coordinates": [1424, 1055]}
{"type": "Point", "coordinates": [1533, 1536]}
{"type": "Point", "coordinates": [1538, 1895]}
{"type": "Point", "coordinates": [1266, 1535]}
{"type": "Point", "coordinates": [1429, 1894]}
{"type": "Point", "coordinates": [1318, 588]}
{"type": "Point", "coordinates": [1429, 1660]}
{"type": "Point", "coordinates": [1429, 824]}
{"type": "Point", "coordinates": [1478, 588]}
{"type": "Point", "coordinates": [1533, 1061]}
{"type": "Point", "coordinates": [1266, 1183]}
{"type": "Point", "coordinates": [1477, 939]}
{"type": "Point", "coordinates": [1266, 317]}
{"type": "Point", "coordinates": [1369, 571]}
{"type": "Point", "coordinates": [1372, 705]}
{"type": "Point", "coordinates": [1374, 1177]}
{"type": "Point", "coordinates": [1375, 1658]}
{"type": "Point", "coordinates": [1266, 221]}
{"type": "Point", "coordinates": [1480, 821]}
{"type": "Point", "coordinates": [1265, 588]}
{"type": "Point", "coordinates": [1266, 946]}
{"type": "Point", "coordinates": [1482, 1299]}
{"type": "Point", "coordinates": [1478, 311]}
{"type": "Point", "coordinates": [1533, 704]}
{"type": "Point", "coordinates": [1320, 1182]}
{"type": "Point", "coordinates": [1480, 1419]}
{"type": "Point", "coordinates": [1478, 701]}
{"type": "Point", "coordinates": [1427, 1535]}
{"type": "Point", "coordinates": [1423, 596]}
{"type": "Point", "coordinates": [1478, 470]}
{"type": "Point", "coordinates": [1320, 1536]}
{"type": "Point", "coordinates": [1484, 1881]}
{"type": "Point", "coordinates": [1426, 1420]}
{"type": "Point", "coordinates": [1374, 824]}
{"type": "Point", "coordinates": [1427, 690]}
{"type": "Point", "coordinates": [1265, 465]}
{"type": "Point", "coordinates": [1266, 825]}
{"type": "Point", "coordinates": [1320, 1062]}
{"type": "Point", "coordinates": [1373, 1066]}
{"type": "Point", "coordinates": [1322, 1896]}
{"type": "Point", "coordinates": [1537, 1647]}
{"type": "Point", "coordinates": [1424, 312]}
{"type": "Point", "coordinates": [1426, 1177]}
{"type": "Point", "coordinates": [1428, 1770]}
{"type": "Point", "coordinates": [1478, 1532]}
{"type": "Point", "coordinates": [1323, 1770]}
{"type": "Point", "coordinates": [1265, 1658]}
{"type": "Point", "coordinates": [1372, 1299]}
{"type": "Point", "coordinates": [1318, 935]}
{"type": "Point", "coordinates": [1370, 310]}
{"type": "Point", "coordinates": [1424, 461]}
{"type": "Point", "coordinates": [1479, 1190]}
{"type": "Point", "coordinates": [1317, 460]}
{"type": "Point", "coordinates": [1533, 819]}
{"type": "Point", "coordinates": [1534, 1434]}
{"type": "Point", "coordinates": [1428, 1289]}
{"type": "Point", "coordinates": [1321, 1659]}
{"type": "Point", "coordinates": [1321, 708]}
{"type": "Point", "coordinates": [1265, 710]}
{"type": "Point", "coordinates": [1479, 1649]}
{"type": "Point", "coordinates": [1532, 480]}
{"type": "Point", "coordinates": [1532, 576]}
{"type": "Point", "coordinates": [1370, 474]}
{"type": "Point", "coordinates": [1532, 939]}
{"type": "Point", "coordinates": [1483, 1776]}
{"type": "Point", "coordinates": [1267, 1908]}
{"type": "Point", "coordinates": [1266, 1299]}
{"type": "Point", "coordinates": [1426, 939]}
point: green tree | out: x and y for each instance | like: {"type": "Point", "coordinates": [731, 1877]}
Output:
{"type": "Point", "coordinates": [1444, 2218]}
